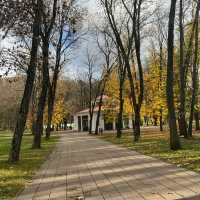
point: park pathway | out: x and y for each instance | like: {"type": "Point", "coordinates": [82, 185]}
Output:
{"type": "Point", "coordinates": [85, 167]}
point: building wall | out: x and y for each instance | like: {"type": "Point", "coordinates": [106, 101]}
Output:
{"type": "Point", "coordinates": [101, 122]}
{"type": "Point", "coordinates": [75, 123]}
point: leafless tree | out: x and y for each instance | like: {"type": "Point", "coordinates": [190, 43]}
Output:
{"type": "Point", "coordinates": [90, 63]}
{"type": "Point", "coordinates": [49, 16]}
{"type": "Point", "coordinates": [67, 33]}
{"type": "Point", "coordinates": [106, 47]}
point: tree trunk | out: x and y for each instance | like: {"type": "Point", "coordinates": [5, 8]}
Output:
{"type": "Point", "coordinates": [50, 114]}
{"type": "Point", "coordinates": [155, 121]}
{"type": "Point", "coordinates": [24, 107]}
{"type": "Point", "coordinates": [161, 120]}
{"type": "Point", "coordinates": [137, 125]}
{"type": "Point", "coordinates": [99, 111]}
{"type": "Point", "coordinates": [194, 72]}
{"type": "Point", "coordinates": [90, 123]}
{"type": "Point", "coordinates": [121, 74]}
{"type": "Point", "coordinates": [51, 100]}
{"type": "Point", "coordinates": [196, 116]}
{"type": "Point", "coordinates": [182, 84]}
{"type": "Point", "coordinates": [137, 40]}
{"type": "Point", "coordinates": [160, 84]}
{"type": "Point", "coordinates": [120, 119]}
{"type": "Point", "coordinates": [33, 126]}
{"type": "Point", "coordinates": [43, 95]}
{"type": "Point", "coordinates": [174, 138]}
{"type": "Point", "coordinates": [53, 86]}
{"type": "Point", "coordinates": [33, 106]}
{"type": "Point", "coordinates": [120, 114]}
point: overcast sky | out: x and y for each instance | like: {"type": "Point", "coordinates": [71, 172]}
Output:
{"type": "Point", "coordinates": [78, 55]}
{"type": "Point", "coordinates": [95, 13]}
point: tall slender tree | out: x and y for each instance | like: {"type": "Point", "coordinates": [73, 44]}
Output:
{"type": "Point", "coordinates": [130, 27]}
{"type": "Point", "coordinates": [24, 107]}
{"type": "Point", "coordinates": [174, 138]}
{"type": "Point", "coordinates": [65, 36]}
{"type": "Point", "coordinates": [194, 71]}
{"type": "Point", "coordinates": [45, 35]}
{"type": "Point", "coordinates": [106, 47]}
{"type": "Point", "coordinates": [182, 71]}
{"type": "Point", "coordinates": [121, 77]}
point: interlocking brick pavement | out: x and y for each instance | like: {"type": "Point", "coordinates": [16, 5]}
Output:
{"type": "Point", "coordinates": [83, 167]}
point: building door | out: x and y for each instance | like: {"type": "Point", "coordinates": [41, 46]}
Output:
{"type": "Point", "coordinates": [85, 123]}
{"type": "Point", "coordinates": [108, 126]}
{"type": "Point", "coordinates": [79, 123]}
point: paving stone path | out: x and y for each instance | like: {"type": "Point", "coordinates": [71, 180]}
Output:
{"type": "Point", "coordinates": [84, 167]}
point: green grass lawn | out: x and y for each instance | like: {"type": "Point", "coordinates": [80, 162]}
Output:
{"type": "Point", "coordinates": [14, 177]}
{"type": "Point", "coordinates": [156, 144]}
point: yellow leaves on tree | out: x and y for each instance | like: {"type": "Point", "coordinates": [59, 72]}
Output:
{"type": "Point", "coordinates": [155, 83]}
{"type": "Point", "coordinates": [59, 112]}
{"type": "Point", "coordinates": [112, 90]}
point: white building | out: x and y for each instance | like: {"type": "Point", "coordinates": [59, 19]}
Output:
{"type": "Point", "coordinates": [81, 119]}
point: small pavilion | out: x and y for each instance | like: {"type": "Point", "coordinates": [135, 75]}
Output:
{"type": "Point", "coordinates": [81, 118]}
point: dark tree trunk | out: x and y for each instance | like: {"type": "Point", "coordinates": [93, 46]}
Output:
{"type": "Point", "coordinates": [121, 74]}
{"type": "Point", "coordinates": [33, 127]}
{"type": "Point", "coordinates": [90, 108]}
{"type": "Point", "coordinates": [174, 138]}
{"type": "Point", "coordinates": [51, 99]}
{"type": "Point", "coordinates": [24, 107]}
{"type": "Point", "coordinates": [34, 104]}
{"type": "Point", "coordinates": [196, 116]}
{"type": "Point", "coordinates": [120, 114]}
{"type": "Point", "coordinates": [160, 84]}
{"type": "Point", "coordinates": [182, 70]}
{"type": "Point", "coordinates": [155, 121]}
{"type": "Point", "coordinates": [92, 103]}
{"type": "Point", "coordinates": [137, 40]}
{"type": "Point", "coordinates": [99, 110]}
{"type": "Point", "coordinates": [195, 71]}
{"type": "Point", "coordinates": [137, 125]}
{"type": "Point", "coordinates": [90, 123]}
{"type": "Point", "coordinates": [42, 99]}
{"type": "Point", "coordinates": [127, 53]}
{"type": "Point", "coordinates": [50, 112]}
{"type": "Point", "coordinates": [161, 120]}
{"type": "Point", "coordinates": [53, 85]}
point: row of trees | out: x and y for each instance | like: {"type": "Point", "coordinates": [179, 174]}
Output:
{"type": "Point", "coordinates": [169, 78]}
{"type": "Point", "coordinates": [43, 32]}
{"type": "Point", "coordinates": [163, 86]}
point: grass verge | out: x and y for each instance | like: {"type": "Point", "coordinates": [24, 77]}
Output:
{"type": "Point", "coordinates": [156, 144]}
{"type": "Point", "coordinates": [14, 177]}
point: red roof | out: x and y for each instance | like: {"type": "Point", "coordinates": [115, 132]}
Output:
{"type": "Point", "coordinates": [104, 97]}
{"type": "Point", "coordinates": [88, 110]}
{"type": "Point", "coordinates": [96, 107]}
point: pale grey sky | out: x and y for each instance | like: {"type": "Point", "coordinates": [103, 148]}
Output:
{"type": "Point", "coordinates": [78, 54]}
{"type": "Point", "coordinates": [95, 13]}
